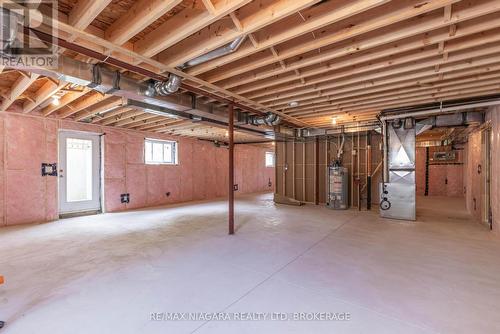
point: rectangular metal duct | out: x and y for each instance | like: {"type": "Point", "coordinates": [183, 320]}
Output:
{"type": "Point", "coordinates": [114, 83]}
{"type": "Point", "coordinates": [398, 199]}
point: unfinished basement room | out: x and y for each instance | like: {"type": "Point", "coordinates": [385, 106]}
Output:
{"type": "Point", "coordinates": [249, 166]}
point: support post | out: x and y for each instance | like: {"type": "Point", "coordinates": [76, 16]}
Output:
{"type": "Point", "coordinates": [316, 171]}
{"type": "Point", "coordinates": [231, 168]}
{"type": "Point", "coordinates": [369, 170]}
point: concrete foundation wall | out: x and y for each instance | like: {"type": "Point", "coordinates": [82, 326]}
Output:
{"type": "Point", "coordinates": [27, 197]}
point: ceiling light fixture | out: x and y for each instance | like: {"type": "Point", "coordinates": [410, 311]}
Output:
{"type": "Point", "coordinates": [56, 100]}
{"type": "Point", "coordinates": [334, 120]}
{"type": "Point", "coordinates": [293, 104]}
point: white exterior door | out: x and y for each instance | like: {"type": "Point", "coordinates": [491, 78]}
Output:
{"type": "Point", "coordinates": [79, 172]}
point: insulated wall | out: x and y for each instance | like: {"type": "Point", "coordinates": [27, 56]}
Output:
{"type": "Point", "coordinates": [27, 141]}
{"type": "Point", "coordinates": [444, 178]}
{"type": "Point", "coordinates": [473, 179]}
{"type": "Point", "coordinates": [475, 172]}
{"type": "Point", "coordinates": [494, 117]}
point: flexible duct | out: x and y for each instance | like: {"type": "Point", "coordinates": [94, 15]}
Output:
{"type": "Point", "coordinates": [269, 118]}
{"type": "Point", "coordinates": [164, 88]}
{"type": "Point", "coordinates": [222, 51]}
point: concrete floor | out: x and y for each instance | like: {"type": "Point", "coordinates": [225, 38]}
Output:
{"type": "Point", "coordinates": [107, 273]}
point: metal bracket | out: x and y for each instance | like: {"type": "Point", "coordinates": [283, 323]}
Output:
{"type": "Point", "coordinates": [116, 80]}
{"type": "Point", "coordinates": [96, 76]}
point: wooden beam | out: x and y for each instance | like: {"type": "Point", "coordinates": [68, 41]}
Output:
{"type": "Point", "coordinates": [423, 100]}
{"type": "Point", "coordinates": [236, 21]}
{"type": "Point", "coordinates": [431, 97]}
{"type": "Point", "coordinates": [254, 40]}
{"type": "Point", "coordinates": [426, 58]}
{"type": "Point", "coordinates": [182, 25]}
{"type": "Point", "coordinates": [147, 122]}
{"type": "Point", "coordinates": [85, 11]}
{"type": "Point", "coordinates": [134, 119]}
{"type": "Point", "coordinates": [127, 54]}
{"type": "Point", "coordinates": [318, 17]}
{"type": "Point", "coordinates": [121, 116]}
{"type": "Point", "coordinates": [419, 25]}
{"type": "Point", "coordinates": [472, 84]}
{"type": "Point", "coordinates": [81, 104]}
{"type": "Point", "coordinates": [479, 36]}
{"type": "Point", "coordinates": [459, 61]}
{"type": "Point", "coordinates": [45, 92]}
{"type": "Point", "coordinates": [433, 80]}
{"type": "Point", "coordinates": [209, 6]}
{"type": "Point", "coordinates": [110, 114]}
{"type": "Point", "coordinates": [137, 18]}
{"type": "Point", "coordinates": [18, 88]}
{"type": "Point", "coordinates": [64, 101]}
{"type": "Point", "coordinates": [257, 15]}
{"type": "Point", "coordinates": [447, 13]}
{"type": "Point", "coordinates": [403, 91]}
{"type": "Point", "coordinates": [106, 105]}
{"type": "Point", "coordinates": [160, 125]}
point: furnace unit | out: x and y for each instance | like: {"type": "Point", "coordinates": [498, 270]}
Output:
{"type": "Point", "coordinates": [337, 191]}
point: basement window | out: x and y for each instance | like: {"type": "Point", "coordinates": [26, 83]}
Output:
{"type": "Point", "coordinates": [269, 159]}
{"type": "Point", "coordinates": [160, 152]}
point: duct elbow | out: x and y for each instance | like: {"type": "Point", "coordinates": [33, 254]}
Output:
{"type": "Point", "coordinates": [269, 119]}
{"type": "Point", "coordinates": [168, 87]}
{"type": "Point", "coordinates": [164, 88]}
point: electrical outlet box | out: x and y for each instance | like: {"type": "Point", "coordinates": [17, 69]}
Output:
{"type": "Point", "coordinates": [235, 187]}
{"type": "Point", "coordinates": [49, 169]}
{"type": "Point", "coordinates": [125, 198]}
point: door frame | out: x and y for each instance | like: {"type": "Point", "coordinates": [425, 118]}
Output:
{"type": "Point", "coordinates": [100, 185]}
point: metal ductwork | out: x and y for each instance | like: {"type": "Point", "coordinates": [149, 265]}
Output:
{"type": "Point", "coordinates": [269, 118]}
{"type": "Point", "coordinates": [455, 119]}
{"type": "Point", "coordinates": [445, 107]}
{"type": "Point", "coordinates": [222, 51]}
{"type": "Point", "coordinates": [164, 88]}
{"type": "Point", "coordinates": [114, 83]}
{"type": "Point", "coordinates": [397, 190]}
{"type": "Point", "coordinates": [361, 127]}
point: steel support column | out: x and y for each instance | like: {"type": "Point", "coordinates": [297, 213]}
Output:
{"type": "Point", "coordinates": [369, 170]}
{"type": "Point", "coordinates": [231, 168]}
